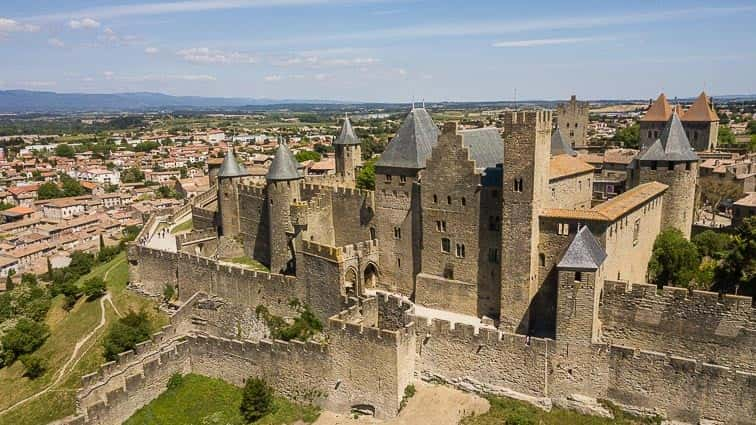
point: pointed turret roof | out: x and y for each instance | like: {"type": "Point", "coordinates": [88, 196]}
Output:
{"type": "Point", "coordinates": [230, 167]}
{"type": "Point", "coordinates": [584, 252]}
{"type": "Point", "coordinates": [660, 110]}
{"type": "Point", "coordinates": [673, 145]}
{"type": "Point", "coordinates": [701, 110]}
{"type": "Point", "coordinates": [413, 142]}
{"type": "Point", "coordinates": [560, 145]}
{"type": "Point", "coordinates": [284, 165]}
{"type": "Point", "coordinates": [347, 136]}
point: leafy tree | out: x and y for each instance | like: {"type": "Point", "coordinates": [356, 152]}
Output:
{"type": "Point", "coordinates": [175, 381]}
{"type": "Point", "coordinates": [712, 244]}
{"type": "Point", "coordinates": [323, 149]}
{"type": "Point", "coordinates": [752, 127]}
{"type": "Point", "coordinates": [49, 190]}
{"type": "Point", "coordinates": [130, 232]}
{"type": "Point", "coordinates": [628, 137]}
{"type": "Point", "coordinates": [146, 146]}
{"type": "Point", "coordinates": [81, 263]}
{"type": "Point", "coordinates": [9, 280]}
{"type": "Point", "coordinates": [49, 270]}
{"type": "Point", "coordinates": [65, 150]}
{"type": "Point", "coordinates": [5, 206]}
{"type": "Point", "coordinates": [71, 186]}
{"type": "Point", "coordinates": [257, 400]}
{"type": "Point", "coordinates": [303, 156]}
{"type": "Point", "coordinates": [35, 366]}
{"type": "Point", "coordinates": [94, 288]}
{"type": "Point", "coordinates": [126, 333]}
{"type": "Point", "coordinates": [28, 279]}
{"type": "Point", "coordinates": [674, 259]}
{"type": "Point", "coordinates": [366, 177]}
{"type": "Point", "coordinates": [132, 175]}
{"type": "Point", "coordinates": [736, 273]}
{"type": "Point", "coordinates": [24, 338]}
{"type": "Point", "coordinates": [715, 190]}
{"type": "Point", "coordinates": [725, 137]}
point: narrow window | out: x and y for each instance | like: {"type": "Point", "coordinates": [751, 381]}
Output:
{"type": "Point", "coordinates": [398, 262]}
{"type": "Point", "coordinates": [435, 199]}
{"type": "Point", "coordinates": [372, 233]}
{"type": "Point", "coordinates": [397, 232]}
{"type": "Point", "coordinates": [578, 276]}
{"type": "Point", "coordinates": [460, 250]}
{"type": "Point", "coordinates": [542, 260]}
{"type": "Point", "coordinates": [448, 200]}
{"type": "Point", "coordinates": [388, 178]}
{"type": "Point", "coordinates": [445, 245]}
{"type": "Point", "coordinates": [402, 179]}
{"type": "Point", "coordinates": [636, 231]}
{"type": "Point", "coordinates": [464, 201]}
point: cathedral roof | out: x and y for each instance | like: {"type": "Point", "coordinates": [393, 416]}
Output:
{"type": "Point", "coordinates": [284, 165]}
{"type": "Point", "coordinates": [560, 145]}
{"type": "Point", "coordinates": [584, 252]}
{"type": "Point", "coordinates": [230, 167]}
{"type": "Point", "coordinates": [673, 145]}
{"type": "Point", "coordinates": [347, 136]}
{"type": "Point", "coordinates": [485, 146]}
{"type": "Point", "coordinates": [660, 110]}
{"type": "Point", "coordinates": [413, 142]}
{"type": "Point", "coordinates": [701, 110]}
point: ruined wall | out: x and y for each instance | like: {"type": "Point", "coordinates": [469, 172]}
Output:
{"type": "Point", "coordinates": [254, 222]}
{"type": "Point", "coordinates": [696, 324]}
{"type": "Point", "coordinates": [681, 388]}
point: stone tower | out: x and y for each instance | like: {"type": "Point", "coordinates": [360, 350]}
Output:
{"type": "Point", "coordinates": [283, 188]}
{"type": "Point", "coordinates": [397, 200]}
{"type": "Point", "coordinates": [527, 142]}
{"type": "Point", "coordinates": [348, 152]}
{"type": "Point", "coordinates": [572, 118]}
{"type": "Point", "coordinates": [701, 124]}
{"type": "Point", "coordinates": [580, 286]}
{"type": "Point", "coordinates": [672, 161]}
{"type": "Point", "coordinates": [229, 175]}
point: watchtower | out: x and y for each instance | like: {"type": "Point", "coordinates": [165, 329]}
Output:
{"type": "Point", "coordinates": [348, 152]}
{"type": "Point", "coordinates": [283, 188]}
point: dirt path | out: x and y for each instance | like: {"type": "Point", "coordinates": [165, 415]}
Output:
{"type": "Point", "coordinates": [75, 356]}
{"type": "Point", "coordinates": [431, 405]}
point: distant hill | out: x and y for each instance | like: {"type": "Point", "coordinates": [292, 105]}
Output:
{"type": "Point", "coordinates": [24, 101]}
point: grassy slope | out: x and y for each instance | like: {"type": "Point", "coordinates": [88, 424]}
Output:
{"type": "Point", "coordinates": [506, 411]}
{"type": "Point", "coordinates": [183, 227]}
{"type": "Point", "coordinates": [66, 329]}
{"type": "Point", "coordinates": [200, 400]}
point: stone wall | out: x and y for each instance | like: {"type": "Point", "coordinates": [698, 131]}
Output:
{"type": "Point", "coordinates": [680, 198]}
{"type": "Point", "coordinates": [203, 218]}
{"type": "Point", "coordinates": [254, 223]}
{"type": "Point", "coordinates": [572, 118]}
{"type": "Point", "coordinates": [152, 269]}
{"type": "Point", "coordinates": [570, 192]}
{"type": "Point", "coordinates": [702, 325]}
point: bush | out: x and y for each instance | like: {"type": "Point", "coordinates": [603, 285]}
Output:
{"type": "Point", "coordinates": [126, 333]}
{"type": "Point", "coordinates": [35, 366]}
{"type": "Point", "coordinates": [674, 260]}
{"type": "Point", "coordinates": [257, 400]}
{"type": "Point", "coordinates": [712, 244]}
{"type": "Point", "coordinates": [169, 292]}
{"type": "Point", "coordinates": [24, 338]}
{"type": "Point", "coordinates": [366, 176]}
{"type": "Point", "coordinates": [28, 279]}
{"type": "Point", "coordinates": [175, 381]}
{"type": "Point", "coordinates": [94, 288]}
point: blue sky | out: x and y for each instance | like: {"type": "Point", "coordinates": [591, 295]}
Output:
{"type": "Point", "coordinates": [381, 50]}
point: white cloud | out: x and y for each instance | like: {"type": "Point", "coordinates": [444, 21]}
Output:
{"type": "Point", "coordinates": [151, 50]}
{"type": "Point", "coordinates": [55, 42]}
{"type": "Point", "coordinates": [108, 74]}
{"type": "Point", "coordinates": [318, 61]}
{"type": "Point", "coordinates": [86, 23]}
{"type": "Point", "coordinates": [9, 25]}
{"type": "Point", "coordinates": [37, 84]}
{"type": "Point", "coordinates": [163, 78]}
{"type": "Point", "coordinates": [273, 78]}
{"type": "Point", "coordinates": [206, 55]}
{"type": "Point", "coordinates": [548, 41]}
{"type": "Point", "coordinates": [401, 71]}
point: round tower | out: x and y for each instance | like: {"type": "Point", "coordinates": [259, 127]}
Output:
{"type": "Point", "coordinates": [671, 160]}
{"type": "Point", "coordinates": [348, 152]}
{"type": "Point", "coordinates": [229, 175]}
{"type": "Point", "coordinates": [283, 188]}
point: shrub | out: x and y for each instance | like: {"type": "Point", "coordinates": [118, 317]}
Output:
{"type": "Point", "coordinates": [169, 291]}
{"type": "Point", "coordinates": [29, 279]}
{"type": "Point", "coordinates": [126, 333]}
{"type": "Point", "coordinates": [712, 244]}
{"type": "Point", "coordinates": [35, 366]}
{"type": "Point", "coordinates": [175, 381]}
{"type": "Point", "coordinates": [94, 288]}
{"type": "Point", "coordinates": [409, 392]}
{"type": "Point", "coordinates": [674, 259]}
{"type": "Point", "coordinates": [257, 400]}
{"type": "Point", "coordinates": [24, 338]}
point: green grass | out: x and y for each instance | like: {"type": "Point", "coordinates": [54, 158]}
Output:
{"type": "Point", "coordinates": [202, 400]}
{"type": "Point", "coordinates": [183, 227]}
{"type": "Point", "coordinates": [249, 262]}
{"type": "Point", "coordinates": [505, 411]}
{"type": "Point", "coordinates": [66, 328]}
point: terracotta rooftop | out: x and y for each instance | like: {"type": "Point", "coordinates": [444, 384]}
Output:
{"type": "Point", "coordinates": [565, 165]}
{"type": "Point", "coordinates": [701, 110]}
{"type": "Point", "coordinates": [660, 110]}
{"type": "Point", "coordinates": [614, 208]}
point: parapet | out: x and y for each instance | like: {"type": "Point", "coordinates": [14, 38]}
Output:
{"type": "Point", "coordinates": [196, 235]}
{"type": "Point", "coordinates": [677, 295]}
{"type": "Point", "coordinates": [338, 325]}
{"type": "Point", "coordinates": [252, 190]}
{"type": "Point", "coordinates": [526, 119]}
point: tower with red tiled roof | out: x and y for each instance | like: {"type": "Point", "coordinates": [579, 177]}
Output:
{"type": "Point", "coordinates": [653, 122]}
{"type": "Point", "coordinates": [701, 124]}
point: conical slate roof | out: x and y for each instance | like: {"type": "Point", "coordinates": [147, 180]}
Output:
{"type": "Point", "coordinates": [230, 167]}
{"type": "Point", "coordinates": [584, 253]}
{"type": "Point", "coordinates": [560, 145]}
{"type": "Point", "coordinates": [701, 110]}
{"type": "Point", "coordinates": [673, 145]}
{"type": "Point", "coordinates": [284, 165]}
{"type": "Point", "coordinates": [347, 136]}
{"type": "Point", "coordinates": [413, 142]}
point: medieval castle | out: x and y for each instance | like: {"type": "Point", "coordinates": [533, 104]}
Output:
{"type": "Point", "coordinates": [479, 260]}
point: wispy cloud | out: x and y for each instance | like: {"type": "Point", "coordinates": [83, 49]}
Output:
{"type": "Point", "coordinates": [37, 84]}
{"type": "Point", "coordinates": [316, 61]}
{"type": "Point", "coordinates": [106, 12]}
{"type": "Point", "coordinates": [8, 26]}
{"type": "Point", "coordinates": [151, 50]}
{"type": "Point", "coordinates": [86, 23]}
{"type": "Point", "coordinates": [549, 41]}
{"type": "Point", "coordinates": [207, 56]}
{"type": "Point", "coordinates": [56, 42]}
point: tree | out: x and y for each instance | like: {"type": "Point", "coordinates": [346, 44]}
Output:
{"type": "Point", "coordinates": [674, 259]}
{"type": "Point", "coordinates": [628, 137]}
{"type": "Point", "coordinates": [303, 156]}
{"type": "Point", "coordinates": [5, 206]}
{"type": "Point", "coordinates": [49, 190]}
{"type": "Point", "coordinates": [752, 127]}
{"type": "Point", "coordinates": [35, 366]}
{"type": "Point", "coordinates": [366, 176]}
{"type": "Point", "coordinates": [257, 400]}
{"type": "Point", "coordinates": [29, 279]}
{"type": "Point", "coordinates": [126, 333]}
{"type": "Point", "coordinates": [65, 150]}
{"type": "Point", "coordinates": [736, 273]}
{"type": "Point", "coordinates": [24, 338]}
{"type": "Point", "coordinates": [712, 244]}
{"type": "Point", "coordinates": [132, 175]}
{"type": "Point", "coordinates": [71, 186]}
{"type": "Point", "coordinates": [169, 291]}
{"type": "Point", "coordinates": [715, 190]}
{"type": "Point", "coordinates": [9, 280]}
{"type": "Point", "coordinates": [94, 288]}
{"type": "Point", "coordinates": [725, 137]}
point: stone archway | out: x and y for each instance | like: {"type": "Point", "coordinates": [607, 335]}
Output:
{"type": "Point", "coordinates": [351, 282]}
{"type": "Point", "coordinates": [370, 276]}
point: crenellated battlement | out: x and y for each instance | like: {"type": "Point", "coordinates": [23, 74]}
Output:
{"type": "Point", "coordinates": [340, 253]}
{"type": "Point", "coordinates": [526, 119]}
{"type": "Point", "coordinates": [369, 334]}
{"type": "Point", "coordinates": [252, 190]}
{"type": "Point", "coordinates": [252, 349]}
{"type": "Point", "coordinates": [236, 270]}
{"type": "Point", "coordinates": [644, 291]}
{"type": "Point", "coordinates": [196, 235]}
{"type": "Point", "coordinates": [156, 253]}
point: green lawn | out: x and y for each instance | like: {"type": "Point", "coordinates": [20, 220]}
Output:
{"type": "Point", "coordinates": [202, 400]}
{"type": "Point", "coordinates": [513, 412]}
{"type": "Point", "coordinates": [249, 262]}
{"type": "Point", "coordinates": [183, 227]}
{"type": "Point", "coordinates": [66, 328]}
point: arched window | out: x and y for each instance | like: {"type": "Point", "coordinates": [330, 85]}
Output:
{"type": "Point", "coordinates": [518, 184]}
